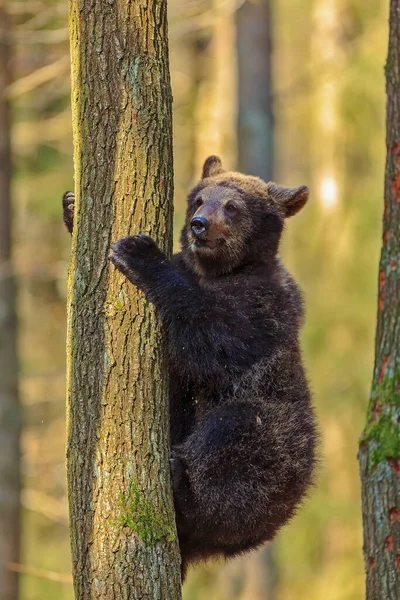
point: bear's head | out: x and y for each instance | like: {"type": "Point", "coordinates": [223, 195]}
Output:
{"type": "Point", "coordinates": [234, 219]}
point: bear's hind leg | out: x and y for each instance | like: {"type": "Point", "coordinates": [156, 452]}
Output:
{"type": "Point", "coordinates": [240, 474]}
{"type": "Point", "coordinates": [219, 479]}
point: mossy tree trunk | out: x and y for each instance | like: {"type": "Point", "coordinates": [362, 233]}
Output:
{"type": "Point", "coordinates": [379, 453]}
{"type": "Point", "coordinates": [123, 533]}
{"type": "Point", "coordinates": [9, 403]}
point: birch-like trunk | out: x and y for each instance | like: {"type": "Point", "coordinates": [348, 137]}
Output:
{"type": "Point", "coordinates": [9, 403]}
{"type": "Point", "coordinates": [124, 543]}
{"type": "Point", "coordinates": [380, 444]}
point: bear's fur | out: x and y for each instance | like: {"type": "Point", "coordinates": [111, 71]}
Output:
{"type": "Point", "coordinates": [243, 432]}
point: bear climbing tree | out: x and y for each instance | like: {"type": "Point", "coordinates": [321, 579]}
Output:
{"type": "Point", "coordinates": [122, 521]}
{"type": "Point", "coordinates": [243, 430]}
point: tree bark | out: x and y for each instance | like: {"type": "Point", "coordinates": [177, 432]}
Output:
{"type": "Point", "coordinates": [124, 542]}
{"type": "Point", "coordinates": [379, 453]}
{"type": "Point", "coordinates": [255, 115]}
{"type": "Point", "coordinates": [9, 401]}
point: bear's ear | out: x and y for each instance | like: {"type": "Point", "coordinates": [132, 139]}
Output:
{"type": "Point", "coordinates": [291, 199]}
{"type": "Point", "coordinates": [212, 166]}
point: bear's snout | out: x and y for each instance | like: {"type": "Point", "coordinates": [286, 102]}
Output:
{"type": "Point", "coordinates": [199, 225]}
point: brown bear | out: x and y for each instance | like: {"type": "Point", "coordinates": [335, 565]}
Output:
{"type": "Point", "coordinates": [243, 431]}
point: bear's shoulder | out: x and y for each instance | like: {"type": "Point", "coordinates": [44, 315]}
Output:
{"type": "Point", "coordinates": [183, 267]}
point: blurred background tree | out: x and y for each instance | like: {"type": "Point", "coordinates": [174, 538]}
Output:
{"type": "Point", "coordinates": [328, 98]}
{"type": "Point", "coordinates": [9, 398]}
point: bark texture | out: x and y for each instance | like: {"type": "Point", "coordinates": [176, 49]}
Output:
{"type": "Point", "coordinates": [124, 541]}
{"type": "Point", "coordinates": [9, 403]}
{"type": "Point", "coordinates": [255, 116]}
{"type": "Point", "coordinates": [380, 444]}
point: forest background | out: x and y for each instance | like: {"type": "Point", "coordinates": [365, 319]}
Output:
{"type": "Point", "coordinates": [327, 95]}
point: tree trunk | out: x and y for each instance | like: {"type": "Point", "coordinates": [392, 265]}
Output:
{"type": "Point", "coordinates": [124, 542]}
{"type": "Point", "coordinates": [379, 453]}
{"type": "Point", "coordinates": [256, 156]}
{"type": "Point", "coordinates": [214, 106]}
{"type": "Point", "coordinates": [9, 402]}
{"type": "Point", "coordinates": [255, 116]}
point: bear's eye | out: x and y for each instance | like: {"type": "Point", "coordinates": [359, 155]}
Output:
{"type": "Point", "coordinates": [230, 208]}
{"type": "Point", "coordinates": [198, 202]}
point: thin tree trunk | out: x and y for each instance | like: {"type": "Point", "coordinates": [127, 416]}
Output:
{"type": "Point", "coordinates": [255, 115]}
{"type": "Point", "coordinates": [256, 156]}
{"type": "Point", "coordinates": [379, 453]}
{"type": "Point", "coordinates": [9, 402]}
{"type": "Point", "coordinates": [123, 533]}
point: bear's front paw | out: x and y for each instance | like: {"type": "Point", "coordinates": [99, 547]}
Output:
{"type": "Point", "coordinates": [134, 255]}
{"type": "Point", "coordinates": [136, 247]}
{"type": "Point", "coordinates": [68, 203]}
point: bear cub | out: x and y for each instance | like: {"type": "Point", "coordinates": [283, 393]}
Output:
{"type": "Point", "coordinates": [243, 431]}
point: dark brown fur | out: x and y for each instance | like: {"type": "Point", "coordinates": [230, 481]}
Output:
{"type": "Point", "coordinates": [242, 426]}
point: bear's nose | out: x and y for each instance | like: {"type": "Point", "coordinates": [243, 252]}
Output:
{"type": "Point", "coordinates": [199, 225]}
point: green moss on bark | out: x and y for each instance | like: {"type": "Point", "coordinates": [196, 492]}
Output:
{"type": "Point", "coordinates": [382, 432]}
{"type": "Point", "coordinates": [143, 516]}
{"type": "Point", "coordinates": [388, 390]}
{"type": "Point", "coordinates": [384, 437]}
